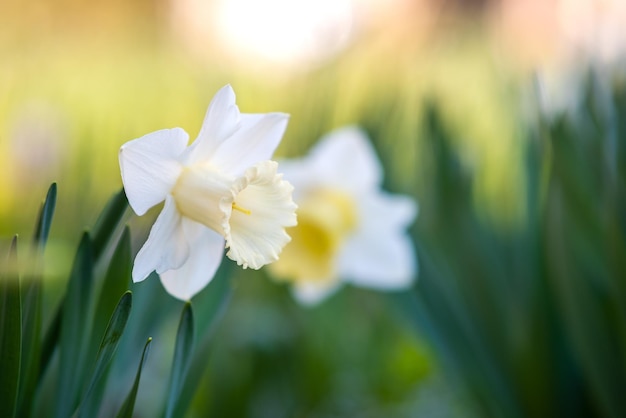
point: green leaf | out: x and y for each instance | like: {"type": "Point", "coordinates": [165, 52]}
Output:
{"type": "Point", "coordinates": [45, 217]}
{"type": "Point", "coordinates": [104, 231]}
{"type": "Point", "coordinates": [108, 346]}
{"type": "Point", "coordinates": [74, 330]}
{"type": "Point", "coordinates": [212, 302]}
{"type": "Point", "coordinates": [587, 320]}
{"type": "Point", "coordinates": [182, 356]}
{"type": "Point", "coordinates": [126, 411]}
{"type": "Point", "coordinates": [115, 282]}
{"type": "Point", "coordinates": [213, 298]}
{"type": "Point", "coordinates": [30, 362]}
{"type": "Point", "coordinates": [50, 341]}
{"type": "Point", "coordinates": [108, 222]}
{"type": "Point", "coordinates": [31, 309]}
{"type": "Point", "coordinates": [10, 335]}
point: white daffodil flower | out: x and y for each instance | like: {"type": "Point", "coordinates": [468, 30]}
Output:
{"type": "Point", "coordinates": [348, 228]}
{"type": "Point", "coordinates": [220, 192]}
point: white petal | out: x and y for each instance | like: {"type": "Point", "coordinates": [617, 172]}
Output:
{"type": "Point", "coordinates": [257, 238]}
{"type": "Point", "coordinates": [379, 262]}
{"type": "Point", "coordinates": [221, 120]}
{"type": "Point", "coordinates": [346, 159]}
{"type": "Point", "coordinates": [254, 141]}
{"type": "Point", "coordinates": [380, 254]}
{"type": "Point", "coordinates": [207, 249]}
{"type": "Point", "coordinates": [166, 247]}
{"type": "Point", "coordinates": [150, 167]}
{"type": "Point", "coordinates": [312, 292]}
{"type": "Point", "coordinates": [383, 211]}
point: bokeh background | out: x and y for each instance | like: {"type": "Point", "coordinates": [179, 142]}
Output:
{"type": "Point", "coordinates": [504, 119]}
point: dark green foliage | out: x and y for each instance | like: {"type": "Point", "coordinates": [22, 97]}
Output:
{"type": "Point", "coordinates": [182, 356]}
{"type": "Point", "coordinates": [108, 346]}
{"type": "Point", "coordinates": [10, 334]}
{"type": "Point", "coordinates": [31, 308]}
{"type": "Point", "coordinates": [532, 320]}
{"type": "Point", "coordinates": [109, 221]}
{"type": "Point", "coordinates": [116, 282]}
{"type": "Point", "coordinates": [44, 222]}
{"type": "Point", "coordinates": [89, 304]}
{"type": "Point", "coordinates": [74, 335]}
{"type": "Point", "coordinates": [210, 304]}
{"type": "Point", "coordinates": [126, 411]}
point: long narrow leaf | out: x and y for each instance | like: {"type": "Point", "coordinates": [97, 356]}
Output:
{"type": "Point", "coordinates": [31, 308]}
{"type": "Point", "coordinates": [50, 340]}
{"type": "Point", "coordinates": [108, 222]}
{"type": "Point", "coordinates": [213, 301]}
{"type": "Point", "coordinates": [182, 355]}
{"type": "Point", "coordinates": [74, 330]}
{"type": "Point", "coordinates": [10, 335]}
{"type": "Point", "coordinates": [116, 282]}
{"type": "Point", "coordinates": [45, 217]}
{"type": "Point", "coordinates": [108, 346]}
{"type": "Point", "coordinates": [102, 234]}
{"type": "Point", "coordinates": [126, 411]}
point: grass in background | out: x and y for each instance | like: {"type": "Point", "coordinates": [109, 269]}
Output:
{"type": "Point", "coordinates": [531, 322]}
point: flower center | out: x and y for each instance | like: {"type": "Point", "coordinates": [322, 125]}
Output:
{"type": "Point", "coordinates": [240, 209]}
{"type": "Point", "coordinates": [325, 219]}
{"type": "Point", "coordinates": [205, 195]}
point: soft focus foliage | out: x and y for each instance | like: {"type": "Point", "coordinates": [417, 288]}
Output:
{"type": "Point", "coordinates": [531, 322]}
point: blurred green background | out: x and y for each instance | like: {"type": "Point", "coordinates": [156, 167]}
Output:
{"type": "Point", "coordinates": [504, 120]}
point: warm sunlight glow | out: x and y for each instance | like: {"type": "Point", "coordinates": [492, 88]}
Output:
{"type": "Point", "coordinates": [285, 30]}
{"type": "Point", "coordinates": [261, 34]}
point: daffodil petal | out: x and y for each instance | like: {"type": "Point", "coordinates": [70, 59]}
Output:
{"type": "Point", "coordinates": [344, 158]}
{"type": "Point", "coordinates": [310, 293]}
{"type": "Point", "coordinates": [207, 249]}
{"type": "Point", "coordinates": [166, 247]}
{"type": "Point", "coordinates": [380, 253]}
{"type": "Point", "coordinates": [380, 262]}
{"type": "Point", "coordinates": [255, 234]}
{"type": "Point", "coordinates": [222, 119]}
{"type": "Point", "coordinates": [254, 141]}
{"type": "Point", "coordinates": [150, 167]}
{"type": "Point", "coordinates": [384, 211]}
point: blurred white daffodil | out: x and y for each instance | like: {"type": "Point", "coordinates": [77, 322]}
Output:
{"type": "Point", "coordinates": [348, 228]}
{"type": "Point", "coordinates": [221, 191]}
